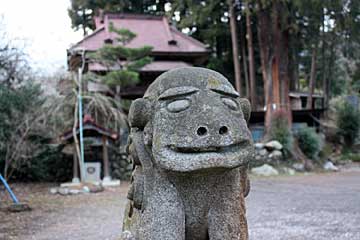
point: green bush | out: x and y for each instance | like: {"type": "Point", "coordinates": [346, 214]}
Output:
{"type": "Point", "coordinates": [309, 141]}
{"type": "Point", "coordinates": [23, 118]}
{"type": "Point", "coordinates": [50, 165]}
{"type": "Point", "coordinates": [355, 157]}
{"type": "Point", "coordinates": [280, 130]}
{"type": "Point", "coordinates": [348, 122]}
{"type": "Point", "coordinates": [349, 154]}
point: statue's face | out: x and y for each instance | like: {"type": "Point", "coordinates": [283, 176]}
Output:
{"type": "Point", "coordinates": [200, 127]}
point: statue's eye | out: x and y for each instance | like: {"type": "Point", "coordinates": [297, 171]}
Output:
{"type": "Point", "coordinates": [231, 103]}
{"type": "Point", "coordinates": [178, 105]}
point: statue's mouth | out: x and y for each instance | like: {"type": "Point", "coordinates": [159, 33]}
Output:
{"type": "Point", "coordinates": [185, 158]}
{"type": "Point", "coordinates": [210, 149]}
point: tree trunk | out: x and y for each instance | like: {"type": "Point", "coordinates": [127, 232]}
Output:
{"type": "Point", "coordinates": [84, 23]}
{"type": "Point", "coordinates": [309, 104]}
{"type": "Point", "coordinates": [264, 38]}
{"type": "Point", "coordinates": [246, 74]}
{"type": "Point", "coordinates": [251, 58]}
{"type": "Point", "coordinates": [274, 51]}
{"type": "Point", "coordinates": [294, 65]}
{"type": "Point", "coordinates": [323, 58]}
{"type": "Point", "coordinates": [277, 54]}
{"type": "Point", "coordinates": [117, 93]}
{"type": "Point", "coordinates": [280, 63]}
{"type": "Point", "coordinates": [284, 75]}
{"type": "Point", "coordinates": [327, 65]}
{"type": "Point", "coordinates": [234, 40]}
{"type": "Point", "coordinates": [7, 163]}
{"type": "Point", "coordinates": [329, 74]}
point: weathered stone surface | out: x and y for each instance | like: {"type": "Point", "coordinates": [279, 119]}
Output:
{"type": "Point", "coordinates": [63, 191]}
{"type": "Point", "coordinates": [329, 166]}
{"type": "Point", "coordinates": [86, 189]}
{"type": "Point", "coordinates": [53, 190]}
{"type": "Point", "coordinates": [95, 188]}
{"type": "Point", "coordinates": [190, 147]}
{"type": "Point", "coordinates": [126, 235]}
{"type": "Point", "coordinates": [265, 170]}
{"type": "Point", "coordinates": [273, 145]}
{"type": "Point", "coordinates": [120, 166]}
{"type": "Point", "coordinates": [74, 191]}
{"type": "Point", "coordinates": [299, 167]}
{"type": "Point", "coordinates": [288, 171]}
{"type": "Point", "coordinates": [276, 154]}
{"type": "Point", "coordinates": [259, 146]}
{"type": "Point", "coordinates": [267, 155]}
{"type": "Point", "coordinates": [263, 152]}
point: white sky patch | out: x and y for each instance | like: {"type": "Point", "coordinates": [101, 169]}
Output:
{"type": "Point", "coordinates": [167, 7]}
{"type": "Point", "coordinates": [177, 16]}
{"type": "Point", "coordinates": [45, 27]}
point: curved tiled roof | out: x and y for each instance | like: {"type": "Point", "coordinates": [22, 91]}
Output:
{"type": "Point", "coordinates": [90, 127]}
{"type": "Point", "coordinates": [150, 30]}
{"type": "Point", "coordinates": [155, 66]}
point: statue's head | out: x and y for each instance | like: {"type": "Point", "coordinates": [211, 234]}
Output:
{"type": "Point", "coordinates": [193, 119]}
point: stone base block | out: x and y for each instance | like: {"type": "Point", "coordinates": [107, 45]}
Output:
{"type": "Point", "coordinates": [108, 182]}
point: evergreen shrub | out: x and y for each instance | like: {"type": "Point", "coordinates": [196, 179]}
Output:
{"type": "Point", "coordinates": [280, 130]}
{"type": "Point", "coordinates": [348, 122]}
{"type": "Point", "coordinates": [309, 141]}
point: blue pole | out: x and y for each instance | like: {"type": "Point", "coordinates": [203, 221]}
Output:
{"type": "Point", "coordinates": [82, 157]}
{"type": "Point", "coordinates": [9, 190]}
{"type": "Point", "coordinates": [81, 136]}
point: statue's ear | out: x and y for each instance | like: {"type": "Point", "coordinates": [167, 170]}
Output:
{"type": "Point", "coordinates": [139, 113]}
{"type": "Point", "coordinates": [246, 108]}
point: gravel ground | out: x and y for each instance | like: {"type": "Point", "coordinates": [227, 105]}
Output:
{"type": "Point", "coordinates": [318, 206]}
{"type": "Point", "coordinates": [54, 217]}
{"type": "Point", "coordinates": [321, 207]}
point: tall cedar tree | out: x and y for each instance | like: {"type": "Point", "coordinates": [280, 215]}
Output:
{"type": "Point", "coordinates": [330, 27]}
{"type": "Point", "coordinates": [208, 21]}
{"type": "Point", "coordinates": [235, 48]}
{"type": "Point", "coordinates": [273, 36]}
{"type": "Point", "coordinates": [82, 12]}
{"type": "Point", "coordinates": [249, 38]}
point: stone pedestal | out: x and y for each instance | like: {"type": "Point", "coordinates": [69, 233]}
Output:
{"type": "Point", "coordinates": [76, 180]}
{"type": "Point", "coordinates": [108, 182]}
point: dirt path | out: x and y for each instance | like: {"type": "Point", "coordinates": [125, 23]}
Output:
{"type": "Point", "coordinates": [322, 206]}
{"type": "Point", "coordinates": [54, 217]}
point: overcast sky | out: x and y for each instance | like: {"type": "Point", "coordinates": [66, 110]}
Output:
{"type": "Point", "coordinates": [44, 26]}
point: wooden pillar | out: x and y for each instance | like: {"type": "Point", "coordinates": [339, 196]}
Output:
{"type": "Point", "coordinates": [106, 159]}
{"type": "Point", "coordinates": [75, 167]}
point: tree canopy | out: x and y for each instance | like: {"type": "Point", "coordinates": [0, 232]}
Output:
{"type": "Point", "coordinates": [283, 45]}
{"type": "Point", "coordinates": [82, 12]}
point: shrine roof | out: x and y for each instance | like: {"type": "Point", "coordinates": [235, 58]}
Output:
{"type": "Point", "coordinates": [150, 30]}
{"type": "Point", "coordinates": [90, 128]}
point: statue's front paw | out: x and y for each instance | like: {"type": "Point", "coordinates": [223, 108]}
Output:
{"type": "Point", "coordinates": [127, 235]}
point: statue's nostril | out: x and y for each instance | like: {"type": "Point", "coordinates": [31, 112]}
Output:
{"type": "Point", "coordinates": [201, 131]}
{"type": "Point", "coordinates": [223, 130]}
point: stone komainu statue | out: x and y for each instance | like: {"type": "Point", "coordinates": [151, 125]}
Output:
{"type": "Point", "coordinates": [190, 146]}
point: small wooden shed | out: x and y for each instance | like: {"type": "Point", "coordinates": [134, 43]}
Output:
{"type": "Point", "coordinates": [96, 138]}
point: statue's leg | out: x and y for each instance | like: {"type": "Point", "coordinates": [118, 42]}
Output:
{"type": "Point", "coordinates": [227, 216]}
{"type": "Point", "coordinates": [227, 221]}
{"type": "Point", "coordinates": [163, 217]}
